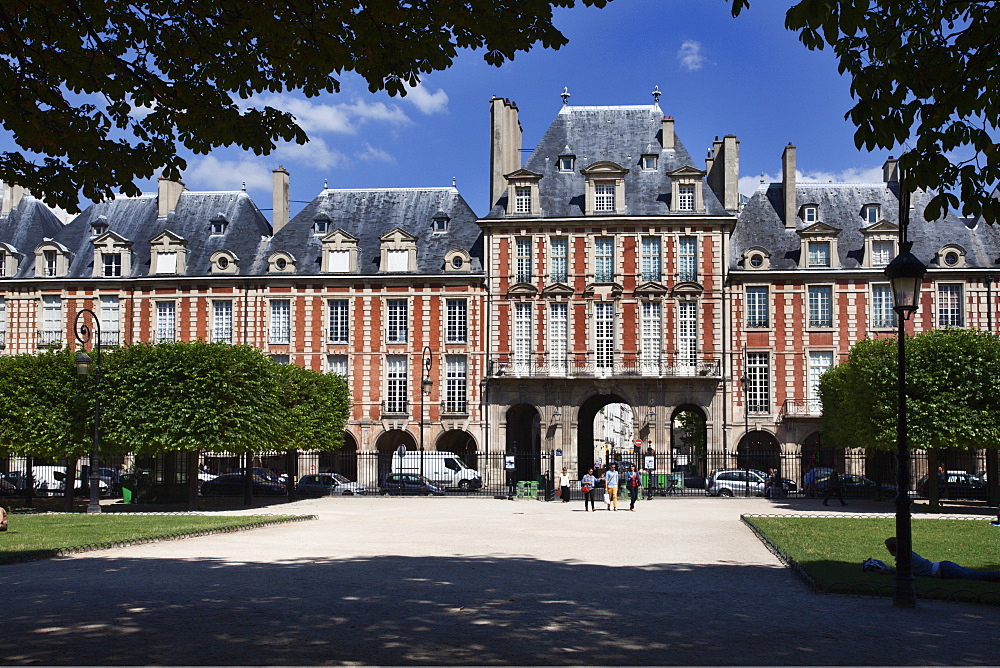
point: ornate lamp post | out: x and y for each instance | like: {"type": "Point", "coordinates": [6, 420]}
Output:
{"type": "Point", "coordinates": [83, 368]}
{"type": "Point", "coordinates": [906, 273]}
{"type": "Point", "coordinates": [426, 362]}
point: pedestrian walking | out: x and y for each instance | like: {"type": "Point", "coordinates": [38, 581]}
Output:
{"type": "Point", "coordinates": [833, 488]}
{"type": "Point", "coordinates": [632, 483]}
{"type": "Point", "coordinates": [611, 483]}
{"type": "Point", "coordinates": [587, 484]}
{"type": "Point", "coordinates": [562, 481]}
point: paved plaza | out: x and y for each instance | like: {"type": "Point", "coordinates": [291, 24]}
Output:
{"type": "Point", "coordinates": [471, 581]}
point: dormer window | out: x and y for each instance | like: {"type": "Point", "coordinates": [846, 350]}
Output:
{"type": "Point", "coordinates": [567, 163]}
{"type": "Point", "coordinates": [951, 256]}
{"type": "Point", "coordinates": [882, 252]}
{"type": "Point", "coordinates": [112, 256]}
{"type": "Point", "coordinates": [457, 260]}
{"type": "Point", "coordinates": [51, 259]}
{"type": "Point", "coordinates": [99, 227]}
{"type": "Point", "coordinates": [605, 188]}
{"type": "Point", "coordinates": [872, 212]}
{"type": "Point", "coordinates": [880, 241]}
{"type": "Point", "coordinates": [281, 263]}
{"type": "Point", "coordinates": [112, 265]}
{"type": "Point", "coordinates": [51, 263]}
{"type": "Point", "coordinates": [819, 254]}
{"type": "Point", "coordinates": [686, 190]}
{"type": "Point", "coordinates": [321, 224]}
{"type": "Point", "coordinates": [756, 258]}
{"type": "Point", "coordinates": [649, 163]}
{"type": "Point", "coordinates": [340, 253]}
{"type": "Point", "coordinates": [398, 252]}
{"type": "Point", "coordinates": [224, 262]}
{"type": "Point", "coordinates": [219, 224]}
{"type": "Point", "coordinates": [522, 193]}
{"type": "Point", "coordinates": [810, 213]}
{"type": "Point", "coordinates": [8, 260]}
{"type": "Point", "coordinates": [440, 222]}
{"type": "Point", "coordinates": [168, 254]}
{"type": "Point", "coordinates": [818, 249]}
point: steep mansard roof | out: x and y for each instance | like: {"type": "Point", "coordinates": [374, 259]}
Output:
{"type": "Point", "coordinates": [841, 205]}
{"type": "Point", "coordinates": [27, 225]}
{"type": "Point", "coordinates": [617, 134]}
{"type": "Point", "coordinates": [369, 214]}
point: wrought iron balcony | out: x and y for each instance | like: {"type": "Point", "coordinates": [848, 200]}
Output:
{"type": "Point", "coordinates": [395, 408]}
{"type": "Point", "coordinates": [455, 407]}
{"type": "Point", "coordinates": [51, 338]}
{"type": "Point", "coordinates": [595, 365]}
{"type": "Point", "coordinates": [800, 409]}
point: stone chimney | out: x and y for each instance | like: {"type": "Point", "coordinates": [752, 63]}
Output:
{"type": "Point", "coordinates": [505, 145]}
{"type": "Point", "coordinates": [168, 193]}
{"type": "Point", "coordinates": [11, 198]}
{"type": "Point", "coordinates": [279, 199]}
{"type": "Point", "coordinates": [723, 167]}
{"type": "Point", "coordinates": [890, 171]}
{"type": "Point", "coordinates": [667, 136]}
{"type": "Point", "coordinates": [788, 186]}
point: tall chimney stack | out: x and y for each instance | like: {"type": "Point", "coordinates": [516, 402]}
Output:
{"type": "Point", "coordinates": [279, 199]}
{"type": "Point", "coordinates": [168, 193]}
{"type": "Point", "coordinates": [505, 145]}
{"type": "Point", "coordinates": [890, 171]}
{"type": "Point", "coordinates": [788, 186]}
{"type": "Point", "coordinates": [667, 136]}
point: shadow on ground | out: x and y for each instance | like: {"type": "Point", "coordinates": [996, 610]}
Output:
{"type": "Point", "coordinates": [457, 610]}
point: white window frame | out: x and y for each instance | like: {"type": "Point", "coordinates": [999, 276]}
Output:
{"type": "Point", "coordinates": [651, 362]}
{"type": "Point", "coordinates": [166, 262]}
{"type": "Point", "coordinates": [110, 316]}
{"type": "Point", "coordinates": [757, 388]}
{"type": "Point", "coordinates": [338, 321]}
{"type": "Point", "coordinates": [522, 199]}
{"type": "Point", "coordinates": [758, 307]}
{"type": "Point", "coordinates": [338, 364]}
{"type": "Point", "coordinates": [687, 337]}
{"type": "Point", "coordinates": [685, 197]}
{"type": "Point", "coordinates": [652, 259]}
{"type": "Point", "coordinates": [456, 321]}
{"type": "Point", "coordinates": [819, 362]}
{"type": "Point", "coordinates": [814, 258]}
{"type": "Point", "coordinates": [604, 337]}
{"type": "Point", "coordinates": [522, 260]}
{"type": "Point", "coordinates": [280, 332]}
{"type": "Point", "coordinates": [558, 338]}
{"type": "Point", "coordinates": [604, 259]}
{"type": "Point", "coordinates": [951, 312]}
{"type": "Point", "coordinates": [166, 321]}
{"type": "Point", "coordinates": [222, 320]}
{"type": "Point", "coordinates": [604, 196]}
{"type": "Point", "coordinates": [52, 320]}
{"type": "Point", "coordinates": [559, 259]}
{"type": "Point", "coordinates": [456, 384]}
{"type": "Point", "coordinates": [819, 306]}
{"type": "Point", "coordinates": [396, 384]}
{"type": "Point", "coordinates": [111, 265]}
{"type": "Point", "coordinates": [687, 258]}
{"type": "Point", "coordinates": [522, 338]}
{"type": "Point", "coordinates": [883, 251]}
{"type": "Point", "coordinates": [883, 316]}
{"type": "Point", "coordinates": [397, 322]}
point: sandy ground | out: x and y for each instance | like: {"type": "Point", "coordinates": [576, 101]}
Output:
{"type": "Point", "coordinates": [470, 581]}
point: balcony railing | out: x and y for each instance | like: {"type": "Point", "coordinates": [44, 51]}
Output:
{"type": "Point", "coordinates": [600, 365]}
{"type": "Point", "coordinates": [110, 338]}
{"type": "Point", "coordinates": [455, 407]}
{"type": "Point", "coordinates": [800, 408]}
{"type": "Point", "coordinates": [51, 338]}
{"type": "Point", "coordinates": [395, 408]}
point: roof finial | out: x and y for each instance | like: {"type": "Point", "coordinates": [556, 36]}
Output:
{"type": "Point", "coordinates": [244, 186]}
{"type": "Point", "coordinates": [565, 95]}
{"type": "Point", "coordinates": [762, 178]}
{"type": "Point", "coordinates": [325, 184]}
{"type": "Point", "coordinates": [454, 183]}
{"type": "Point", "coordinates": [656, 94]}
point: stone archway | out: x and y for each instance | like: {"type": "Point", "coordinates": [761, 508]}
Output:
{"type": "Point", "coordinates": [815, 454]}
{"type": "Point", "coordinates": [524, 441]}
{"type": "Point", "coordinates": [387, 444]}
{"type": "Point", "coordinates": [689, 440]}
{"type": "Point", "coordinates": [343, 460]}
{"type": "Point", "coordinates": [585, 429]}
{"type": "Point", "coordinates": [758, 450]}
{"type": "Point", "coordinates": [462, 443]}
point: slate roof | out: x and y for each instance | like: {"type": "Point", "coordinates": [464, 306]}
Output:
{"type": "Point", "coordinates": [369, 214]}
{"type": "Point", "coordinates": [761, 223]}
{"type": "Point", "coordinates": [135, 219]}
{"type": "Point", "coordinates": [27, 225]}
{"type": "Point", "coordinates": [619, 134]}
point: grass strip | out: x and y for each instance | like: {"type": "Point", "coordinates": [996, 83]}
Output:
{"type": "Point", "coordinates": [827, 553]}
{"type": "Point", "coordinates": [42, 536]}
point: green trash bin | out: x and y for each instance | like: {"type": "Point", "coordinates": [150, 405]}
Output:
{"type": "Point", "coordinates": [128, 488]}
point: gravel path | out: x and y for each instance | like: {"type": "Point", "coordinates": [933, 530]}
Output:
{"type": "Point", "coordinates": [470, 581]}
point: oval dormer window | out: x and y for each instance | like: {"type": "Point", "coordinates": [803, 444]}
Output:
{"type": "Point", "coordinates": [223, 263]}
{"type": "Point", "coordinates": [756, 260]}
{"type": "Point", "coordinates": [457, 262]}
{"type": "Point", "coordinates": [951, 258]}
{"type": "Point", "coordinates": [281, 263]}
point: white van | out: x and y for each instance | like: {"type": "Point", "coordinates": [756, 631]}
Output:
{"type": "Point", "coordinates": [445, 469]}
{"type": "Point", "coordinates": [48, 480]}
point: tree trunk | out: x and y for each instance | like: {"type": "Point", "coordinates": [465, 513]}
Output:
{"type": "Point", "coordinates": [993, 476]}
{"type": "Point", "coordinates": [193, 481]}
{"type": "Point", "coordinates": [70, 490]}
{"type": "Point", "coordinates": [247, 479]}
{"type": "Point", "coordinates": [933, 490]}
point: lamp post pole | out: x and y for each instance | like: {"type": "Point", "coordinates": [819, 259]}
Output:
{"type": "Point", "coordinates": [83, 335]}
{"type": "Point", "coordinates": [426, 361]}
{"type": "Point", "coordinates": [906, 273]}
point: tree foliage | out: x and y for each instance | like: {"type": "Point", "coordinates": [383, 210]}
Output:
{"type": "Point", "coordinates": [103, 91]}
{"type": "Point", "coordinates": [952, 392]}
{"type": "Point", "coordinates": [925, 77]}
{"type": "Point", "coordinates": [46, 410]}
{"type": "Point", "coordinates": [315, 408]}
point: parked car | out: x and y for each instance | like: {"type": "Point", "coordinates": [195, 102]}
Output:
{"type": "Point", "coordinates": [857, 486]}
{"type": "Point", "coordinates": [49, 480]}
{"type": "Point", "coordinates": [231, 484]}
{"type": "Point", "coordinates": [409, 483]}
{"type": "Point", "coordinates": [957, 485]}
{"type": "Point", "coordinates": [735, 482]}
{"type": "Point", "coordinates": [6, 487]}
{"type": "Point", "coordinates": [329, 484]}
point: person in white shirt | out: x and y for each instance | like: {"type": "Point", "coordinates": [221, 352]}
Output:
{"type": "Point", "coordinates": [611, 482]}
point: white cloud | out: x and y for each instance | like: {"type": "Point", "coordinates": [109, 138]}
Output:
{"type": "Point", "coordinates": [372, 154]}
{"type": "Point", "coordinates": [315, 153]}
{"type": "Point", "coordinates": [315, 117]}
{"type": "Point", "coordinates": [690, 56]}
{"type": "Point", "coordinates": [427, 102]}
{"type": "Point", "coordinates": [210, 173]}
{"type": "Point", "coordinates": [749, 184]}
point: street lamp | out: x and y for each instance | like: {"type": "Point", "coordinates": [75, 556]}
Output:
{"type": "Point", "coordinates": [85, 368]}
{"type": "Point", "coordinates": [426, 361]}
{"type": "Point", "coordinates": [905, 273]}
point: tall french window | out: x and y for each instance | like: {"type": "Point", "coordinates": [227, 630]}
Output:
{"type": "Point", "coordinates": [652, 337]}
{"type": "Point", "coordinates": [882, 314]}
{"type": "Point", "coordinates": [820, 306]}
{"type": "Point", "coordinates": [522, 338]}
{"type": "Point", "coordinates": [687, 337]}
{"type": "Point", "coordinates": [604, 336]}
{"type": "Point", "coordinates": [395, 384]}
{"type": "Point", "coordinates": [604, 260]}
{"type": "Point", "coordinates": [558, 338]}
{"type": "Point", "coordinates": [457, 327]}
{"type": "Point", "coordinates": [523, 258]}
{"type": "Point", "coordinates": [819, 362]}
{"type": "Point", "coordinates": [687, 259]}
{"type": "Point", "coordinates": [757, 308]}
{"type": "Point", "coordinates": [950, 306]}
{"type": "Point", "coordinates": [396, 321]}
{"type": "Point", "coordinates": [166, 322]}
{"type": "Point", "coordinates": [3, 320]}
{"type": "Point", "coordinates": [456, 384]}
{"type": "Point", "coordinates": [340, 326]}
{"type": "Point", "coordinates": [110, 320]}
{"type": "Point", "coordinates": [222, 321]}
{"type": "Point", "coordinates": [758, 383]}
{"type": "Point", "coordinates": [651, 268]}
{"type": "Point", "coordinates": [559, 259]}
{"type": "Point", "coordinates": [281, 321]}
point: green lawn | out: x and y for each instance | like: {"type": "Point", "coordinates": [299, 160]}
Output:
{"type": "Point", "coordinates": [830, 551]}
{"type": "Point", "coordinates": [45, 535]}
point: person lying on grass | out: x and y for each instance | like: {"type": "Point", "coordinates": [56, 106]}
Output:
{"type": "Point", "coordinates": [3, 519]}
{"type": "Point", "coordinates": [948, 570]}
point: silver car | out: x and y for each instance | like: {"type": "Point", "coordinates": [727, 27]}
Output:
{"type": "Point", "coordinates": [329, 484]}
{"type": "Point", "coordinates": [735, 482]}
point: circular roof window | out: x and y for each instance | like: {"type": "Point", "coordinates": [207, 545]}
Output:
{"type": "Point", "coordinates": [756, 260]}
{"type": "Point", "coordinates": [951, 258]}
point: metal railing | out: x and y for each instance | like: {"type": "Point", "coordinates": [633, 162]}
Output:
{"type": "Point", "coordinates": [51, 338]}
{"type": "Point", "coordinates": [800, 408]}
{"type": "Point", "coordinates": [600, 365]}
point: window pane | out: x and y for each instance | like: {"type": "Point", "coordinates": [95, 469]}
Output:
{"type": "Point", "coordinates": [819, 362]}
{"type": "Point", "coordinates": [687, 260]}
{"type": "Point", "coordinates": [396, 321]}
{"type": "Point", "coordinates": [558, 338]}
{"type": "Point", "coordinates": [523, 268]}
{"type": "Point", "coordinates": [652, 337]}
{"type": "Point", "coordinates": [455, 384]}
{"type": "Point", "coordinates": [604, 197]}
{"type": "Point", "coordinates": [950, 306]}
{"type": "Point", "coordinates": [337, 364]}
{"type": "Point", "coordinates": [522, 200]}
{"type": "Point", "coordinates": [819, 253]}
{"type": "Point", "coordinates": [685, 200]}
{"type": "Point", "coordinates": [222, 324]}
{"type": "Point", "coordinates": [604, 268]}
{"type": "Point", "coordinates": [340, 261]}
{"type": "Point", "coordinates": [339, 325]}
{"type": "Point", "coordinates": [166, 263]}
{"type": "Point", "coordinates": [758, 383]}
{"type": "Point", "coordinates": [559, 260]}
{"type": "Point", "coordinates": [820, 306]}
{"type": "Point", "coordinates": [687, 337]}
{"type": "Point", "coordinates": [757, 307]}
{"type": "Point", "coordinates": [109, 320]}
{"type": "Point", "coordinates": [281, 323]}
{"type": "Point", "coordinates": [395, 396]}
{"type": "Point", "coordinates": [604, 336]}
{"type": "Point", "coordinates": [651, 259]}
{"type": "Point", "coordinates": [522, 337]}
{"type": "Point", "coordinates": [457, 325]}
{"type": "Point", "coordinates": [166, 322]}
{"type": "Point", "coordinates": [397, 260]}
{"type": "Point", "coordinates": [882, 313]}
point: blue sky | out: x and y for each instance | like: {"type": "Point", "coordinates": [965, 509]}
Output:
{"type": "Point", "coordinates": [718, 75]}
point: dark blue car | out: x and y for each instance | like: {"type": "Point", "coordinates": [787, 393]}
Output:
{"type": "Point", "coordinates": [409, 483]}
{"type": "Point", "coordinates": [231, 484]}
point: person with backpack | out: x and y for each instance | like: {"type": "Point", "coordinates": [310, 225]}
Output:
{"type": "Point", "coordinates": [633, 481]}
